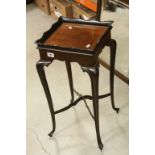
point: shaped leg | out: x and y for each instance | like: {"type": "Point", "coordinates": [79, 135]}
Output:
{"type": "Point", "coordinates": [40, 69]}
{"type": "Point", "coordinates": [70, 79]}
{"type": "Point", "coordinates": [112, 69]}
{"type": "Point", "coordinates": [94, 76]}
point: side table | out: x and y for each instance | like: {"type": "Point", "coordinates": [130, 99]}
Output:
{"type": "Point", "coordinates": [76, 40]}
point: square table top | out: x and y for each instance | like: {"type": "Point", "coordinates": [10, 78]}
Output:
{"type": "Point", "coordinates": [76, 36]}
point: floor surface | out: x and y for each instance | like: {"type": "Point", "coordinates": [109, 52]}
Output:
{"type": "Point", "coordinates": [75, 131]}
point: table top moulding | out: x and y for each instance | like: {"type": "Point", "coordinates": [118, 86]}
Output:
{"type": "Point", "coordinates": [75, 35]}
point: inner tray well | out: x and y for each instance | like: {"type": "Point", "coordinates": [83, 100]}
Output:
{"type": "Point", "coordinates": [76, 36]}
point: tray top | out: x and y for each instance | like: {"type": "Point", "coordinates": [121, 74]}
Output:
{"type": "Point", "coordinates": [76, 36]}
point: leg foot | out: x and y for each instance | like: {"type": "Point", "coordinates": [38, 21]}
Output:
{"type": "Point", "coordinates": [50, 134]}
{"type": "Point", "coordinates": [100, 145]}
{"type": "Point", "coordinates": [117, 110]}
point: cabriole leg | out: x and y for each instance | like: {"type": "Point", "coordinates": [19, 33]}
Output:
{"type": "Point", "coordinates": [40, 69]}
{"type": "Point", "coordinates": [112, 46]}
{"type": "Point", "coordinates": [94, 76]}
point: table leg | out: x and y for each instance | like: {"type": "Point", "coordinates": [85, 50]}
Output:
{"type": "Point", "coordinates": [94, 76]}
{"type": "Point", "coordinates": [40, 69]}
{"type": "Point", "coordinates": [112, 46]}
{"type": "Point", "coordinates": [70, 79]}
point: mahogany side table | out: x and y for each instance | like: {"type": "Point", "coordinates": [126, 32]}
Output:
{"type": "Point", "coordinates": [76, 40]}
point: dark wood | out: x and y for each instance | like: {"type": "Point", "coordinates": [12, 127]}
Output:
{"type": "Point", "coordinates": [89, 97]}
{"type": "Point", "coordinates": [99, 9]}
{"type": "Point", "coordinates": [50, 49]}
{"type": "Point", "coordinates": [70, 79]}
{"type": "Point", "coordinates": [112, 45]}
{"type": "Point", "coordinates": [79, 99]}
{"type": "Point", "coordinates": [85, 57]}
{"type": "Point", "coordinates": [79, 36]}
{"type": "Point", "coordinates": [54, 33]}
{"type": "Point", "coordinates": [94, 76]}
{"type": "Point", "coordinates": [29, 1]}
{"type": "Point", "coordinates": [40, 68]}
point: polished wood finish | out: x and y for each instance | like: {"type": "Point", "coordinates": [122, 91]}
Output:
{"type": "Point", "coordinates": [51, 49]}
{"type": "Point", "coordinates": [112, 45]}
{"type": "Point", "coordinates": [85, 57]}
{"type": "Point", "coordinates": [40, 68]}
{"type": "Point", "coordinates": [94, 77]}
{"type": "Point", "coordinates": [77, 36]}
{"type": "Point", "coordinates": [99, 8]}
